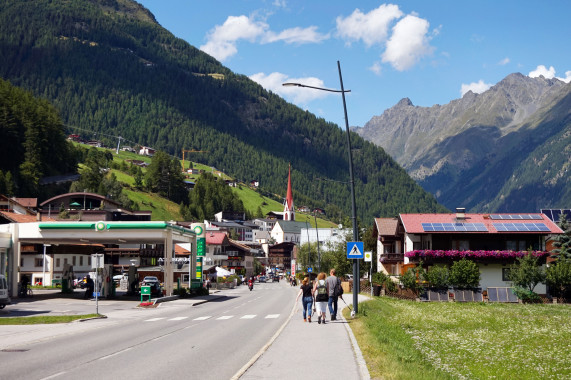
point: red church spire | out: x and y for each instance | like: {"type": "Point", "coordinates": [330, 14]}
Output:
{"type": "Point", "coordinates": [289, 213]}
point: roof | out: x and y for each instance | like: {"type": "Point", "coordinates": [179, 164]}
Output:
{"type": "Point", "coordinates": [27, 202]}
{"type": "Point", "coordinates": [413, 222]}
{"type": "Point", "coordinates": [22, 218]}
{"type": "Point", "coordinates": [387, 226]}
{"type": "Point", "coordinates": [215, 238]}
{"type": "Point", "coordinates": [291, 226]}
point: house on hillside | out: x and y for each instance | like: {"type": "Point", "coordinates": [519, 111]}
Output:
{"type": "Point", "coordinates": [493, 241]}
{"type": "Point", "coordinates": [146, 151]}
{"type": "Point", "coordinates": [25, 206]}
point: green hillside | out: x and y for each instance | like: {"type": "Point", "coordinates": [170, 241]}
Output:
{"type": "Point", "coordinates": [112, 71]}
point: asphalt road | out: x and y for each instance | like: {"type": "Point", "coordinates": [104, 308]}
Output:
{"type": "Point", "coordinates": [176, 340]}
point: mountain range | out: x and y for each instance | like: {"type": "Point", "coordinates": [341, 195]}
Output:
{"type": "Point", "coordinates": [507, 149]}
{"type": "Point", "coordinates": [112, 71]}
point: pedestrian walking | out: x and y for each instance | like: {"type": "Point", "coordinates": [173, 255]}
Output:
{"type": "Point", "coordinates": [89, 287]}
{"type": "Point", "coordinates": [320, 293]}
{"type": "Point", "coordinates": [335, 291]}
{"type": "Point", "coordinates": [305, 291]}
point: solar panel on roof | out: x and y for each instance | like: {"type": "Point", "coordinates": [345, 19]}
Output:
{"type": "Point", "coordinates": [515, 217]}
{"type": "Point", "coordinates": [520, 227]}
{"type": "Point", "coordinates": [454, 227]}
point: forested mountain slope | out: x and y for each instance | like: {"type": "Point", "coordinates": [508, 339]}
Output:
{"type": "Point", "coordinates": [112, 70]}
{"type": "Point", "coordinates": [505, 150]}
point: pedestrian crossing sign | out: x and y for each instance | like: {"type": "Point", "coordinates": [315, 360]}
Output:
{"type": "Point", "coordinates": [355, 250]}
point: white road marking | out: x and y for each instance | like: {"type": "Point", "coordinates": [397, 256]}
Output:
{"type": "Point", "coordinates": [116, 353]}
{"type": "Point", "coordinates": [202, 318]}
{"type": "Point", "coordinates": [54, 375]}
{"type": "Point", "coordinates": [272, 316]}
{"type": "Point", "coordinates": [177, 319]}
{"type": "Point", "coordinates": [153, 319]}
{"type": "Point", "coordinates": [249, 316]}
{"type": "Point", "coordinates": [225, 317]}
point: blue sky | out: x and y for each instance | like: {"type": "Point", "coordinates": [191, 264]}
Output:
{"type": "Point", "coordinates": [429, 51]}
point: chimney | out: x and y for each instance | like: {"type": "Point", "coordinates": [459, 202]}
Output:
{"type": "Point", "coordinates": [460, 213]}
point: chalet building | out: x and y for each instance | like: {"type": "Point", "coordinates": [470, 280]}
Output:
{"type": "Point", "coordinates": [89, 207]}
{"type": "Point", "coordinates": [280, 255]}
{"type": "Point", "coordinates": [146, 151]}
{"type": "Point", "coordinates": [493, 241]}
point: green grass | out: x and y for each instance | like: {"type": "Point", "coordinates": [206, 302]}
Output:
{"type": "Point", "coordinates": [162, 209]}
{"type": "Point", "coordinates": [40, 320]}
{"type": "Point", "coordinates": [413, 340]}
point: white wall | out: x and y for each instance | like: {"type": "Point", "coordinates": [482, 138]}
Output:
{"type": "Point", "coordinates": [491, 276]}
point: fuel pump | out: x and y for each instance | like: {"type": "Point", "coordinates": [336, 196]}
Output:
{"type": "Point", "coordinates": [67, 279]}
{"type": "Point", "coordinates": [108, 290]}
{"type": "Point", "coordinates": [133, 281]}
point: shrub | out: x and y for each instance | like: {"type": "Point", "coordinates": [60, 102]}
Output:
{"type": "Point", "coordinates": [558, 277]}
{"type": "Point", "coordinates": [527, 272]}
{"type": "Point", "coordinates": [411, 279]}
{"type": "Point", "coordinates": [464, 274]}
{"type": "Point", "coordinates": [380, 278]}
{"type": "Point", "coordinates": [526, 295]}
{"type": "Point", "coordinates": [438, 276]}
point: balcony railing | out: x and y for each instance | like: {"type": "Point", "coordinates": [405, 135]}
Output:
{"type": "Point", "coordinates": [392, 258]}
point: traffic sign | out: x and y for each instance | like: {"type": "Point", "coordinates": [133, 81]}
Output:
{"type": "Point", "coordinates": [355, 250]}
{"type": "Point", "coordinates": [368, 256]}
{"type": "Point", "coordinates": [310, 269]}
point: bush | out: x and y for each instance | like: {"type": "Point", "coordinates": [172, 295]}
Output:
{"type": "Point", "coordinates": [558, 277]}
{"type": "Point", "coordinates": [411, 279]}
{"type": "Point", "coordinates": [438, 277]}
{"type": "Point", "coordinates": [380, 278]}
{"type": "Point", "coordinates": [464, 274]}
{"type": "Point", "coordinates": [526, 295]}
{"type": "Point", "coordinates": [527, 272]}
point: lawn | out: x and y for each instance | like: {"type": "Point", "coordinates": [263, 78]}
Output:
{"type": "Point", "coordinates": [412, 340]}
{"type": "Point", "coordinates": [49, 319]}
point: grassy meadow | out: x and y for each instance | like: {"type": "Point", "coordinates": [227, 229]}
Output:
{"type": "Point", "coordinates": [429, 340]}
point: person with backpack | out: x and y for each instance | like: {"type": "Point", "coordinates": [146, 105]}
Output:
{"type": "Point", "coordinates": [334, 291]}
{"type": "Point", "coordinates": [321, 294]}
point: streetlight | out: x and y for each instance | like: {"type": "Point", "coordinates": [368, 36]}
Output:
{"type": "Point", "coordinates": [356, 277]}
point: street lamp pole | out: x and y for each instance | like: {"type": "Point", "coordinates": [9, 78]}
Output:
{"type": "Point", "coordinates": [356, 277]}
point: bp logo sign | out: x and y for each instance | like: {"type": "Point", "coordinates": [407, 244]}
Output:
{"type": "Point", "coordinates": [198, 230]}
{"type": "Point", "coordinates": [100, 226]}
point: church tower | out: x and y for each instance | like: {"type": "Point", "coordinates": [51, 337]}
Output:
{"type": "Point", "coordinates": [289, 210]}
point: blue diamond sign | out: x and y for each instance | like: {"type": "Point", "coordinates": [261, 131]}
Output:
{"type": "Point", "coordinates": [355, 250]}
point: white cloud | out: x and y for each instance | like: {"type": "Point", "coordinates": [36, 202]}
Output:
{"type": "Point", "coordinates": [300, 96]}
{"type": "Point", "coordinates": [504, 61]}
{"type": "Point", "coordinates": [475, 87]}
{"type": "Point", "coordinates": [280, 3]}
{"type": "Point", "coordinates": [370, 27]}
{"type": "Point", "coordinates": [221, 41]}
{"type": "Point", "coordinates": [408, 43]}
{"type": "Point", "coordinates": [295, 36]}
{"type": "Point", "coordinates": [376, 68]}
{"type": "Point", "coordinates": [549, 73]}
{"type": "Point", "coordinates": [542, 70]}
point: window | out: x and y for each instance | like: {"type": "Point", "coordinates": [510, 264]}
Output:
{"type": "Point", "coordinates": [506, 274]}
{"type": "Point", "coordinates": [460, 245]}
{"type": "Point", "coordinates": [57, 262]}
{"type": "Point", "coordinates": [80, 261]}
{"type": "Point", "coordinates": [74, 263]}
{"type": "Point", "coordinates": [65, 261]}
{"type": "Point", "coordinates": [89, 260]}
{"type": "Point", "coordinates": [39, 262]}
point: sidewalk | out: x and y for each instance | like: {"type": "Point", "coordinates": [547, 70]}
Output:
{"type": "Point", "coordinates": [305, 349]}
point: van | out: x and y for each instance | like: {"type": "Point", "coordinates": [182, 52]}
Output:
{"type": "Point", "coordinates": [4, 297]}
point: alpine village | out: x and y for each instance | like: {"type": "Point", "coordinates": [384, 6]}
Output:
{"type": "Point", "coordinates": [126, 154]}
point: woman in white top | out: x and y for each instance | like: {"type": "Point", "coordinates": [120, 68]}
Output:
{"type": "Point", "coordinates": [321, 294]}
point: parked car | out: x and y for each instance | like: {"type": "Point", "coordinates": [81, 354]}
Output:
{"type": "Point", "coordinates": [276, 278]}
{"type": "Point", "coordinates": [4, 296]}
{"type": "Point", "coordinates": [119, 277]}
{"type": "Point", "coordinates": [155, 285]}
{"type": "Point", "coordinates": [262, 279]}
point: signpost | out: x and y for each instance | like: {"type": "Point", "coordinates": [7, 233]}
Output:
{"type": "Point", "coordinates": [145, 291]}
{"type": "Point", "coordinates": [97, 264]}
{"type": "Point", "coordinates": [369, 258]}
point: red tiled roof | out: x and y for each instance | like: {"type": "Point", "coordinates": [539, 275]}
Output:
{"type": "Point", "coordinates": [387, 226]}
{"type": "Point", "coordinates": [215, 238]}
{"type": "Point", "coordinates": [413, 223]}
{"type": "Point", "coordinates": [22, 218]}
{"type": "Point", "coordinates": [27, 202]}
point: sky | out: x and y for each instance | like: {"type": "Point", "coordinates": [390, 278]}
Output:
{"type": "Point", "coordinates": [431, 52]}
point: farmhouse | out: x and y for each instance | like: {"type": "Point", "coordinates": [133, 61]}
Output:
{"type": "Point", "coordinates": [493, 241]}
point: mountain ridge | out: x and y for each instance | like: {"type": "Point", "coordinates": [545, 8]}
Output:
{"type": "Point", "coordinates": [446, 147]}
